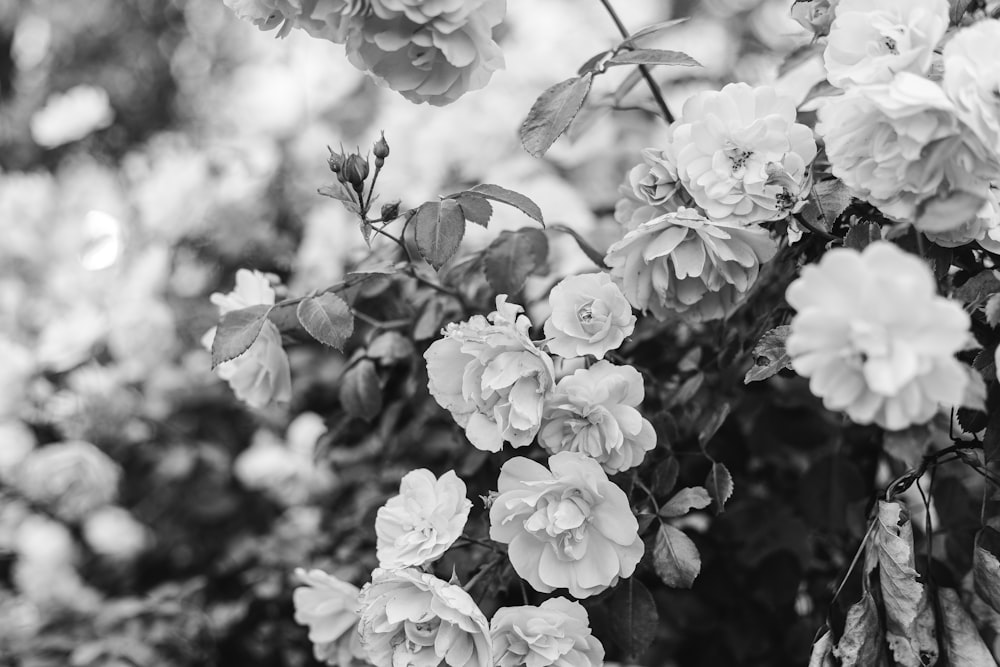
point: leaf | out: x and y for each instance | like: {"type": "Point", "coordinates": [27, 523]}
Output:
{"type": "Point", "coordinates": [958, 9]}
{"type": "Point", "coordinates": [917, 645]}
{"type": "Point", "coordinates": [391, 347]}
{"type": "Point", "coordinates": [826, 490]}
{"type": "Point", "coordinates": [439, 228]}
{"type": "Point", "coordinates": [712, 424]}
{"type": "Point", "coordinates": [891, 550]}
{"type": "Point", "coordinates": [992, 310]}
{"type": "Point", "coordinates": [986, 567]}
{"type": "Point", "coordinates": [588, 250]}
{"type": "Point", "coordinates": [862, 235]}
{"type": "Point", "coordinates": [685, 500]}
{"type": "Point", "coordinates": [553, 112]}
{"type": "Point", "coordinates": [978, 287]}
{"type": "Point", "coordinates": [720, 485]}
{"type": "Point", "coordinates": [652, 57]}
{"type": "Point", "coordinates": [770, 355]}
{"type": "Point", "coordinates": [475, 208]}
{"type": "Point", "coordinates": [511, 198]}
{"type": "Point", "coordinates": [327, 318]}
{"type": "Point", "coordinates": [513, 256]}
{"type": "Point", "coordinates": [962, 643]}
{"type": "Point", "coordinates": [822, 651]}
{"type": "Point", "coordinates": [428, 325]}
{"type": "Point", "coordinates": [652, 30]}
{"type": "Point", "coordinates": [633, 617]}
{"type": "Point", "coordinates": [337, 190]}
{"type": "Point", "coordinates": [360, 393]}
{"type": "Point", "coordinates": [237, 331]}
{"type": "Point", "coordinates": [665, 476]}
{"type": "Point", "coordinates": [828, 201]}
{"type": "Point", "coordinates": [861, 643]}
{"type": "Point", "coordinates": [675, 557]}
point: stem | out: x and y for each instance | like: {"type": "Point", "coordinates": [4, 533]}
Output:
{"type": "Point", "coordinates": [814, 229]}
{"type": "Point", "coordinates": [655, 89]}
{"type": "Point", "coordinates": [371, 191]}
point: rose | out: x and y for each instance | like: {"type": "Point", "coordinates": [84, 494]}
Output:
{"type": "Point", "coordinates": [972, 79]}
{"type": "Point", "coordinates": [594, 412]}
{"type": "Point", "coordinates": [72, 478]}
{"type": "Point", "coordinates": [651, 188]}
{"type": "Point", "coordinates": [114, 533]}
{"type": "Point", "coordinates": [409, 617]}
{"type": "Point", "coordinates": [590, 315]}
{"type": "Point", "coordinates": [814, 15]}
{"type": "Point", "coordinates": [285, 474]}
{"type": "Point", "coordinates": [423, 521]}
{"type": "Point", "coordinates": [557, 633]}
{"type": "Point", "coordinates": [874, 337]}
{"type": "Point", "coordinates": [567, 526]}
{"type": "Point", "coordinates": [329, 607]}
{"type": "Point", "coordinates": [682, 262]}
{"type": "Point", "coordinates": [728, 146]}
{"type": "Point", "coordinates": [491, 377]}
{"type": "Point", "coordinates": [872, 40]}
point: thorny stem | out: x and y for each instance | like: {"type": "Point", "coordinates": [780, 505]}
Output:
{"type": "Point", "coordinates": [655, 89]}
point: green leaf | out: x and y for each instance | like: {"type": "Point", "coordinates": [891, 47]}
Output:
{"type": "Point", "coordinates": [553, 112]}
{"type": "Point", "coordinates": [685, 500]}
{"type": "Point", "coordinates": [862, 234]}
{"type": "Point", "coordinates": [391, 347]}
{"type": "Point", "coordinates": [676, 558]}
{"type": "Point", "coordinates": [712, 423]}
{"type": "Point", "coordinates": [360, 392]}
{"type": "Point", "coordinates": [651, 30]}
{"type": "Point", "coordinates": [510, 198]}
{"type": "Point", "coordinates": [986, 566]}
{"type": "Point", "coordinates": [439, 228]}
{"type": "Point", "coordinates": [958, 9]}
{"type": "Point", "coordinates": [828, 201]}
{"type": "Point", "coordinates": [652, 57]}
{"type": "Point", "coordinates": [770, 356]}
{"type": "Point", "coordinates": [978, 287]}
{"type": "Point", "coordinates": [237, 331]}
{"type": "Point", "coordinates": [327, 318]}
{"type": "Point", "coordinates": [720, 485]}
{"type": "Point", "coordinates": [665, 476]}
{"type": "Point", "coordinates": [633, 618]}
{"type": "Point", "coordinates": [475, 207]}
{"type": "Point", "coordinates": [861, 643]}
{"type": "Point", "coordinates": [588, 250]}
{"type": "Point", "coordinates": [513, 256]}
{"type": "Point", "coordinates": [337, 190]}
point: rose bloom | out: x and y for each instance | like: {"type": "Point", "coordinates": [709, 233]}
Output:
{"type": "Point", "coordinates": [423, 521]}
{"type": "Point", "coordinates": [900, 144]}
{"type": "Point", "coordinates": [590, 315]}
{"type": "Point", "coordinates": [265, 14]}
{"type": "Point", "coordinates": [491, 377]}
{"type": "Point", "coordinates": [983, 227]}
{"type": "Point", "coordinates": [594, 412]}
{"type": "Point", "coordinates": [114, 533]}
{"type": "Point", "coordinates": [328, 606]}
{"type": "Point", "coordinates": [567, 526]}
{"type": "Point", "coordinates": [814, 15]}
{"type": "Point", "coordinates": [429, 51]}
{"type": "Point", "coordinates": [728, 142]}
{"type": "Point", "coordinates": [684, 263]}
{"type": "Point", "coordinates": [409, 617]}
{"type": "Point", "coordinates": [972, 78]}
{"type": "Point", "coordinates": [871, 40]}
{"type": "Point", "coordinates": [651, 188]}
{"type": "Point", "coordinates": [557, 633]}
{"type": "Point", "coordinates": [874, 337]}
{"type": "Point", "coordinates": [72, 478]}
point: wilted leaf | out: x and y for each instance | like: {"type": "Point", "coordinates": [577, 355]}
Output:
{"type": "Point", "coordinates": [511, 198]}
{"type": "Point", "coordinates": [475, 208]}
{"type": "Point", "coordinates": [978, 287]}
{"type": "Point", "coordinates": [986, 566]}
{"type": "Point", "coordinates": [327, 318]}
{"type": "Point", "coordinates": [390, 347]}
{"type": "Point", "coordinates": [633, 617]}
{"type": "Point", "coordinates": [720, 485]}
{"type": "Point", "coordinates": [891, 550]}
{"type": "Point", "coordinates": [826, 490]}
{"type": "Point", "coordinates": [652, 57]}
{"type": "Point", "coordinates": [360, 393]}
{"type": "Point", "coordinates": [588, 250]}
{"type": "Point", "coordinates": [665, 476]}
{"type": "Point", "coordinates": [861, 643]}
{"type": "Point", "coordinates": [685, 500]}
{"type": "Point", "coordinates": [513, 256]}
{"type": "Point", "coordinates": [862, 235]}
{"type": "Point", "coordinates": [769, 355]}
{"type": "Point", "coordinates": [439, 228]}
{"type": "Point", "coordinates": [676, 558]}
{"type": "Point", "coordinates": [917, 645]}
{"type": "Point", "coordinates": [962, 642]}
{"type": "Point", "coordinates": [822, 651]}
{"type": "Point", "coordinates": [237, 331]}
{"type": "Point", "coordinates": [552, 113]}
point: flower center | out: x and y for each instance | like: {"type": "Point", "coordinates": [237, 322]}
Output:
{"type": "Point", "coordinates": [889, 44]}
{"type": "Point", "coordinates": [585, 313]}
{"type": "Point", "coordinates": [738, 158]}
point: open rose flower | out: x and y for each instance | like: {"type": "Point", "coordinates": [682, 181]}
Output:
{"type": "Point", "coordinates": [871, 40]}
{"type": "Point", "coordinates": [590, 315]}
{"type": "Point", "coordinates": [491, 377]}
{"type": "Point", "coordinates": [555, 634]}
{"type": "Point", "coordinates": [328, 606]}
{"type": "Point", "coordinates": [651, 188]}
{"type": "Point", "coordinates": [972, 78]}
{"type": "Point", "coordinates": [814, 15]}
{"type": "Point", "coordinates": [72, 479]}
{"type": "Point", "coordinates": [409, 617]}
{"type": "Point", "coordinates": [567, 526]}
{"type": "Point", "coordinates": [875, 339]}
{"type": "Point", "coordinates": [729, 143]}
{"type": "Point", "coordinates": [594, 412]}
{"type": "Point", "coordinates": [418, 525]}
{"type": "Point", "coordinates": [684, 263]}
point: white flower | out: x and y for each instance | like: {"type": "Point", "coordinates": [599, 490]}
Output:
{"type": "Point", "coordinates": [972, 78]}
{"type": "Point", "coordinates": [266, 14]}
{"type": "Point", "coordinates": [557, 633]}
{"type": "Point", "coordinates": [981, 227]}
{"type": "Point", "coordinates": [17, 442]}
{"type": "Point", "coordinates": [567, 526]}
{"type": "Point", "coordinates": [423, 521]}
{"type": "Point", "coordinates": [654, 180]}
{"type": "Point", "coordinates": [590, 315]}
{"type": "Point", "coordinates": [874, 337]}
{"type": "Point", "coordinates": [814, 15]}
{"type": "Point", "coordinates": [409, 617]}
{"type": "Point", "coordinates": [594, 412]}
{"type": "Point", "coordinates": [329, 607]}
{"type": "Point", "coordinates": [728, 143]}
{"type": "Point", "coordinates": [871, 40]}
{"type": "Point", "coordinates": [72, 478]}
{"type": "Point", "coordinates": [288, 475]}
{"type": "Point", "coordinates": [684, 263]}
{"type": "Point", "coordinates": [114, 533]}
{"type": "Point", "coordinates": [491, 377]}
{"type": "Point", "coordinates": [71, 116]}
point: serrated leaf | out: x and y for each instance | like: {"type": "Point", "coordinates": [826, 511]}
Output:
{"type": "Point", "coordinates": [588, 250]}
{"type": "Point", "coordinates": [360, 392]}
{"type": "Point", "coordinates": [476, 208]}
{"type": "Point", "coordinates": [651, 29]}
{"type": "Point", "coordinates": [861, 643]}
{"type": "Point", "coordinates": [521, 202]}
{"type": "Point", "coordinates": [978, 287]}
{"type": "Point", "coordinates": [720, 485]}
{"type": "Point", "coordinates": [770, 355]}
{"type": "Point", "coordinates": [237, 331]}
{"type": "Point", "coordinates": [553, 112]}
{"type": "Point", "coordinates": [962, 643]}
{"type": "Point", "coordinates": [633, 617]}
{"type": "Point", "coordinates": [862, 235]}
{"type": "Point", "coordinates": [337, 190]}
{"type": "Point", "coordinates": [986, 567]}
{"type": "Point", "coordinates": [653, 57]}
{"type": "Point", "coordinates": [665, 476]}
{"type": "Point", "coordinates": [712, 423]}
{"type": "Point", "coordinates": [890, 548]}
{"type": "Point", "coordinates": [513, 256]}
{"type": "Point", "coordinates": [676, 558]}
{"type": "Point", "coordinates": [827, 202]}
{"type": "Point", "coordinates": [390, 347]}
{"type": "Point", "coordinates": [685, 500]}
{"type": "Point", "coordinates": [438, 229]}
{"type": "Point", "coordinates": [327, 318]}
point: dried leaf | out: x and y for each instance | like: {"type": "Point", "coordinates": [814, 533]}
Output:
{"type": "Point", "coordinates": [986, 567]}
{"type": "Point", "coordinates": [553, 112]}
{"type": "Point", "coordinates": [676, 558]}
{"type": "Point", "coordinates": [861, 643]}
{"type": "Point", "coordinates": [822, 651]}
{"type": "Point", "coordinates": [962, 643]}
{"type": "Point", "coordinates": [891, 550]}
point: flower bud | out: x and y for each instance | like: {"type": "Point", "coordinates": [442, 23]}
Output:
{"type": "Point", "coordinates": [356, 170]}
{"type": "Point", "coordinates": [381, 149]}
{"type": "Point", "coordinates": [335, 161]}
{"type": "Point", "coordinates": [390, 211]}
